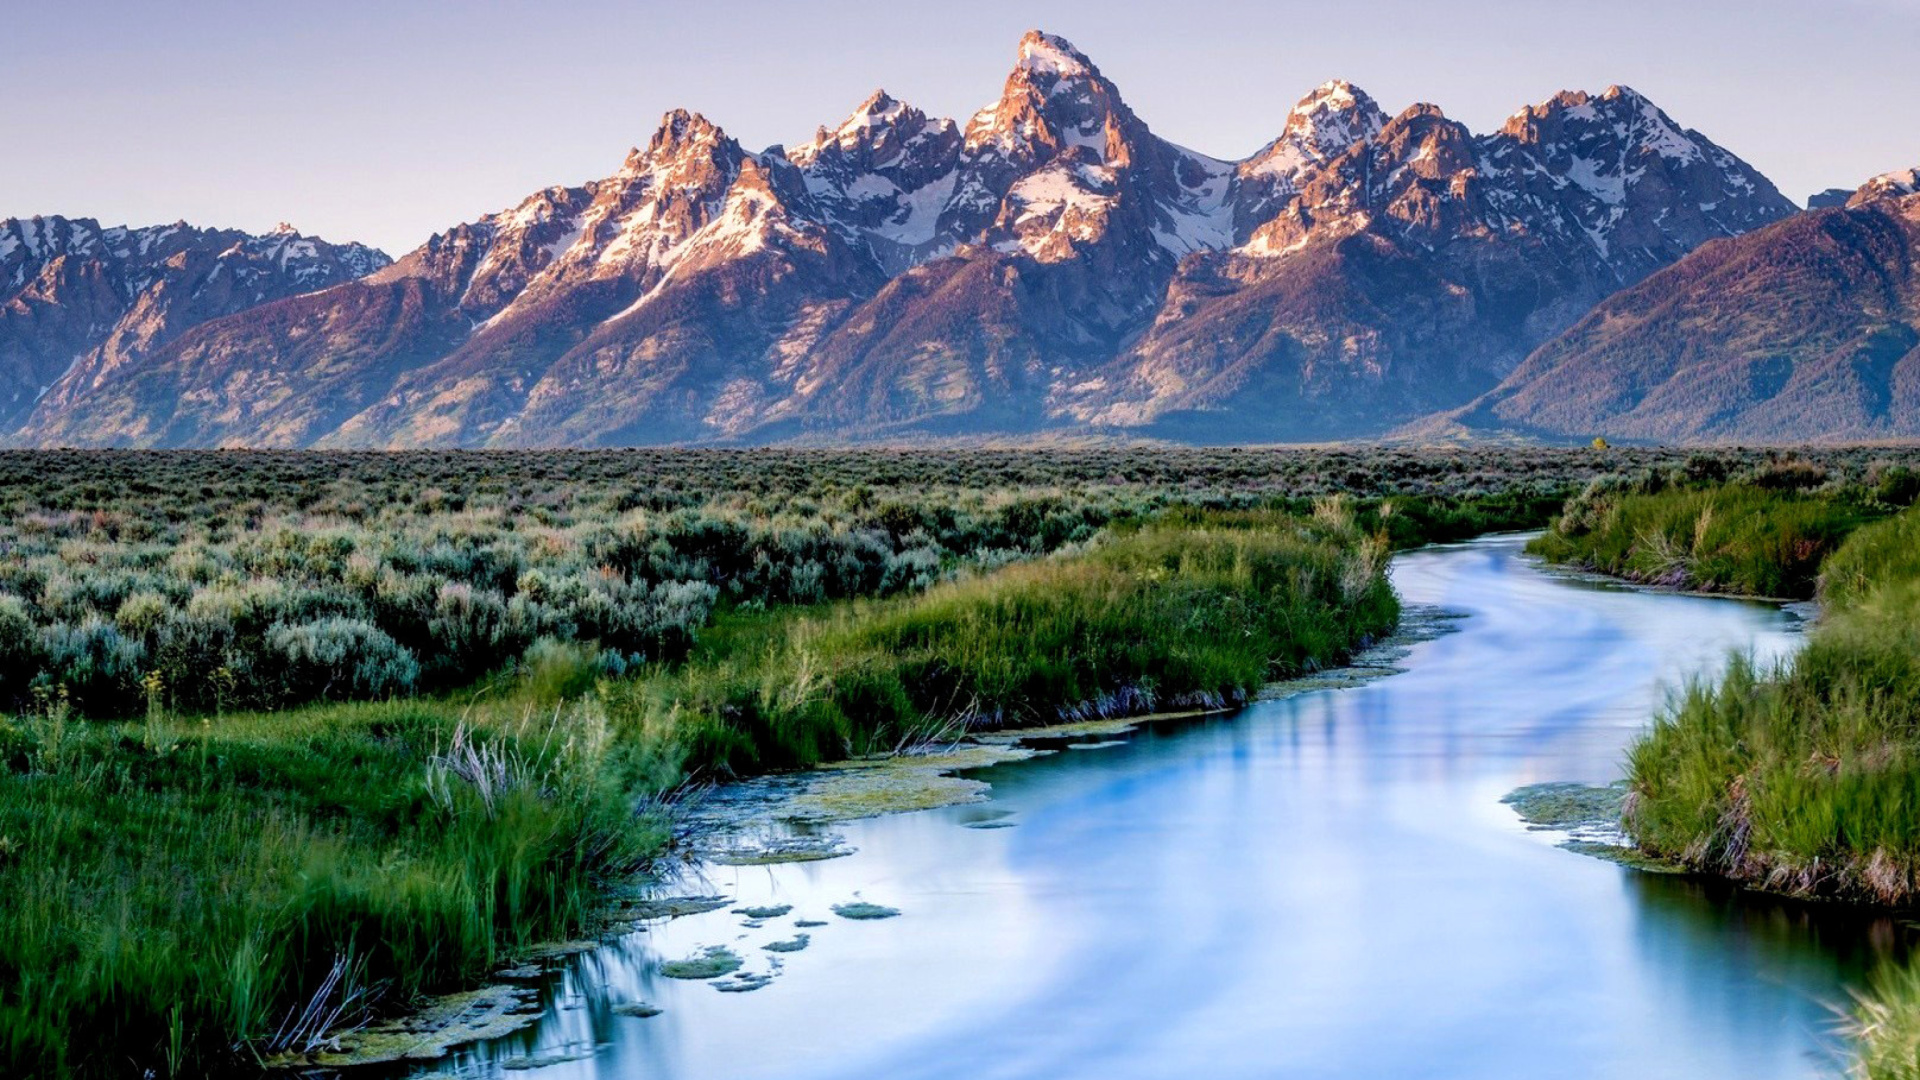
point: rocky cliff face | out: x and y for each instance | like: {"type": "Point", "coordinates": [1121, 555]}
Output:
{"type": "Point", "coordinates": [1048, 263]}
{"type": "Point", "coordinates": [1808, 330]}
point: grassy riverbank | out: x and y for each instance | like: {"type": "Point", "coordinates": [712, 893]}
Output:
{"type": "Point", "coordinates": [1765, 533]}
{"type": "Point", "coordinates": [1800, 779]}
{"type": "Point", "coordinates": [183, 891]}
{"type": "Point", "coordinates": [1803, 779]}
{"type": "Point", "coordinates": [1199, 613]}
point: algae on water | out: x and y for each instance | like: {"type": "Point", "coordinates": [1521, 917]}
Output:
{"type": "Point", "coordinates": [711, 963]}
{"type": "Point", "coordinates": [793, 944]}
{"type": "Point", "coordinates": [1568, 806]}
{"type": "Point", "coordinates": [430, 1032]}
{"type": "Point", "coordinates": [862, 910]}
{"type": "Point", "coordinates": [742, 983]}
{"type": "Point", "coordinates": [1590, 818]}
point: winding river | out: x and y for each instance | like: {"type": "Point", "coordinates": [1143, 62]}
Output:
{"type": "Point", "coordinates": [1322, 886]}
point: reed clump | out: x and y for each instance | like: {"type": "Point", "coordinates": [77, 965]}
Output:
{"type": "Point", "coordinates": [1768, 532]}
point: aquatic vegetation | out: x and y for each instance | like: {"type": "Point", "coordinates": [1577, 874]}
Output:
{"type": "Point", "coordinates": [843, 791]}
{"type": "Point", "coordinates": [770, 912]}
{"type": "Point", "coordinates": [861, 910]}
{"type": "Point", "coordinates": [793, 944]}
{"type": "Point", "coordinates": [743, 983]}
{"type": "Point", "coordinates": [673, 907]}
{"type": "Point", "coordinates": [529, 1062]}
{"type": "Point", "coordinates": [427, 1032]}
{"type": "Point", "coordinates": [1567, 806]}
{"type": "Point", "coordinates": [1590, 816]}
{"type": "Point", "coordinates": [711, 963]}
{"type": "Point", "coordinates": [637, 1009]}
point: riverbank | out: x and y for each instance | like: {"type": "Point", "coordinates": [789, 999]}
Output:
{"type": "Point", "coordinates": [1318, 884]}
{"type": "Point", "coordinates": [1797, 779]}
{"type": "Point", "coordinates": [262, 878]}
{"type": "Point", "coordinates": [211, 857]}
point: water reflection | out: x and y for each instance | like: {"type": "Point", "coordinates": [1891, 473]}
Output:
{"type": "Point", "coordinates": [1325, 886]}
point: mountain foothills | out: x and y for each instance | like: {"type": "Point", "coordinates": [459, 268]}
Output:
{"type": "Point", "coordinates": [1048, 264]}
{"type": "Point", "coordinates": [1806, 329]}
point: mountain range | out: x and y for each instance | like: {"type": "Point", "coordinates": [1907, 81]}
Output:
{"type": "Point", "coordinates": [1808, 329]}
{"type": "Point", "coordinates": [1049, 264]}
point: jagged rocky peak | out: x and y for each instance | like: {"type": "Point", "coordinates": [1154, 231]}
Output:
{"type": "Point", "coordinates": [1891, 185]}
{"type": "Point", "coordinates": [686, 148]}
{"type": "Point", "coordinates": [1054, 100]}
{"type": "Point", "coordinates": [1620, 115]}
{"type": "Point", "coordinates": [1331, 118]}
{"type": "Point", "coordinates": [874, 121]}
{"type": "Point", "coordinates": [884, 134]}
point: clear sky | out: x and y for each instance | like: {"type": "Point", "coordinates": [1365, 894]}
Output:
{"type": "Point", "coordinates": [385, 120]}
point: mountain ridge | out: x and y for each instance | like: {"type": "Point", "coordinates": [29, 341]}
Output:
{"type": "Point", "coordinates": [1808, 329]}
{"type": "Point", "coordinates": [1049, 264]}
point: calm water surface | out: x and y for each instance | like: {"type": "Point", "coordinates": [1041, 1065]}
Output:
{"type": "Point", "coordinates": [1325, 886]}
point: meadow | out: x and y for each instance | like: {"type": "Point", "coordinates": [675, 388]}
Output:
{"type": "Point", "coordinates": [293, 739]}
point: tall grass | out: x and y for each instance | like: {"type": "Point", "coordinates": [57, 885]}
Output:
{"type": "Point", "coordinates": [1746, 538]}
{"type": "Point", "coordinates": [1804, 779]}
{"type": "Point", "coordinates": [1162, 617]}
{"type": "Point", "coordinates": [174, 906]}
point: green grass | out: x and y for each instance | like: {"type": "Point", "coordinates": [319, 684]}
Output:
{"type": "Point", "coordinates": [1165, 616]}
{"type": "Point", "coordinates": [1737, 538]}
{"type": "Point", "coordinates": [1805, 779]}
{"type": "Point", "coordinates": [178, 890]}
{"type": "Point", "coordinates": [176, 893]}
{"type": "Point", "coordinates": [1885, 1026]}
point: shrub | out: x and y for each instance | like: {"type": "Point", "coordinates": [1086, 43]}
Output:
{"type": "Point", "coordinates": [339, 658]}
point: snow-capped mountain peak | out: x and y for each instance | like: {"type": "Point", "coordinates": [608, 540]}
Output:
{"type": "Point", "coordinates": [1887, 186]}
{"type": "Point", "coordinates": [1050, 58]}
{"type": "Point", "coordinates": [1333, 117]}
{"type": "Point", "coordinates": [1054, 99]}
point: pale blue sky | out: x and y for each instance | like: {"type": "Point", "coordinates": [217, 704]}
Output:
{"type": "Point", "coordinates": [385, 121]}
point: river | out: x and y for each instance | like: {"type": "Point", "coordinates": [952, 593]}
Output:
{"type": "Point", "coordinates": [1325, 886]}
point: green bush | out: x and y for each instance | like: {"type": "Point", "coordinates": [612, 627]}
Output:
{"type": "Point", "coordinates": [1164, 617]}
